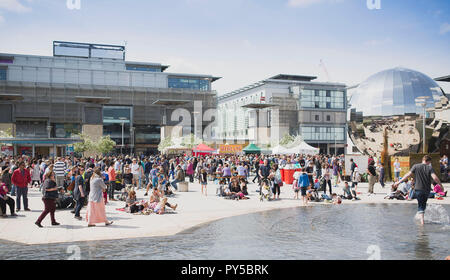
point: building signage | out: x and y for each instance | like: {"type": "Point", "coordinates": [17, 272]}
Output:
{"type": "Point", "coordinates": [230, 149]}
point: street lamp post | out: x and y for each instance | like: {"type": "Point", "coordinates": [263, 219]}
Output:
{"type": "Point", "coordinates": [123, 133]}
{"type": "Point", "coordinates": [121, 147]}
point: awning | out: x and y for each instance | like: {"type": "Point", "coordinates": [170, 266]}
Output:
{"type": "Point", "coordinates": [252, 149]}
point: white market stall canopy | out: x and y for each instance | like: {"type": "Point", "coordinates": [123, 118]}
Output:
{"type": "Point", "coordinates": [297, 147]}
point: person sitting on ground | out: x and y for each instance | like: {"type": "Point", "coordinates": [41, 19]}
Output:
{"type": "Point", "coordinates": [131, 200]}
{"type": "Point", "coordinates": [395, 194]}
{"type": "Point", "coordinates": [347, 191]}
{"type": "Point", "coordinates": [439, 190]}
{"type": "Point", "coordinates": [336, 199]}
{"type": "Point", "coordinates": [158, 202]}
{"type": "Point", "coordinates": [243, 184]}
{"type": "Point", "coordinates": [128, 178]}
{"type": "Point", "coordinates": [404, 187]}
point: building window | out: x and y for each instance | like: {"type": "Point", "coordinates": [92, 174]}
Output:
{"type": "Point", "coordinates": [322, 99]}
{"type": "Point", "coordinates": [113, 119]}
{"type": "Point", "coordinates": [2, 74]}
{"type": "Point", "coordinates": [190, 83]}
{"type": "Point", "coordinates": [323, 133]}
{"type": "Point", "coordinates": [148, 134]}
{"type": "Point", "coordinates": [62, 130]}
{"type": "Point", "coordinates": [147, 68]}
{"type": "Point", "coordinates": [328, 118]}
{"type": "Point", "coordinates": [316, 117]}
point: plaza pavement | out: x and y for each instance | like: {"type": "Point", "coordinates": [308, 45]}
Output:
{"type": "Point", "coordinates": [193, 210]}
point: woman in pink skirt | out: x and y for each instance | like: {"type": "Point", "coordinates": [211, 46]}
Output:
{"type": "Point", "coordinates": [96, 212]}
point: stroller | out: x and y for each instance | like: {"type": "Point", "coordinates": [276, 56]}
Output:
{"type": "Point", "coordinates": [265, 190]}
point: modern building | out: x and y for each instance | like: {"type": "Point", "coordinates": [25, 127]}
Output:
{"type": "Point", "coordinates": [93, 89]}
{"type": "Point", "coordinates": [264, 112]}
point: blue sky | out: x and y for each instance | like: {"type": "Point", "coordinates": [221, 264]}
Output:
{"type": "Point", "coordinates": [245, 41]}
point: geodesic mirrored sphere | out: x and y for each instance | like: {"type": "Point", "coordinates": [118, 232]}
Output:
{"type": "Point", "coordinates": [390, 101]}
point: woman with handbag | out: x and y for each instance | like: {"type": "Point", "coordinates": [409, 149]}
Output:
{"type": "Point", "coordinates": [49, 199]}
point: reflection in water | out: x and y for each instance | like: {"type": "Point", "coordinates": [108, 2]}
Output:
{"type": "Point", "coordinates": [422, 247]}
{"type": "Point", "coordinates": [322, 232]}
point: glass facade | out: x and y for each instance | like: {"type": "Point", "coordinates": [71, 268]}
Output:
{"type": "Point", "coordinates": [394, 92]}
{"type": "Point", "coordinates": [31, 129]}
{"type": "Point", "coordinates": [148, 134]}
{"type": "Point", "coordinates": [2, 74]}
{"type": "Point", "coordinates": [189, 83]}
{"type": "Point", "coordinates": [310, 133]}
{"type": "Point", "coordinates": [61, 130]}
{"type": "Point", "coordinates": [113, 118]}
{"type": "Point", "coordinates": [143, 68]}
{"type": "Point", "coordinates": [322, 99]}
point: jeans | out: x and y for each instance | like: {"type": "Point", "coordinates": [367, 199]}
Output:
{"type": "Point", "coordinates": [397, 175]}
{"type": "Point", "coordinates": [22, 192]}
{"type": "Point", "coordinates": [111, 189]}
{"type": "Point", "coordinates": [147, 180]}
{"type": "Point", "coordinates": [50, 207]}
{"type": "Point", "coordinates": [80, 204]}
{"type": "Point", "coordinates": [422, 198]}
{"type": "Point", "coordinates": [327, 182]}
{"type": "Point", "coordinates": [13, 190]}
{"type": "Point", "coordinates": [382, 180]}
{"type": "Point", "coordinates": [372, 180]}
{"type": "Point", "coordinates": [174, 184]}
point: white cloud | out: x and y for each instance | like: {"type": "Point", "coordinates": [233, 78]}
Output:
{"type": "Point", "coordinates": [445, 28]}
{"type": "Point", "coordinates": [2, 19]}
{"type": "Point", "coordinates": [14, 6]}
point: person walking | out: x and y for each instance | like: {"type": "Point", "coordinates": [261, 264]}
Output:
{"type": "Point", "coordinates": [79, 193]}
{"type": "Point", "coordinates": [49, 199]}
{"type": "Point", "coordinates": [372, 176]}
{"type": "Point", "coordinates": [424, 173]}
{"type": "Point", "coordinates": [21, 178]}
{"type": "Point", "coordinates": [96, 212]}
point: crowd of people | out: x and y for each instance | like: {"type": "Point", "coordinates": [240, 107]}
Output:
{"type": "Point", "coordinates": [71, 182]}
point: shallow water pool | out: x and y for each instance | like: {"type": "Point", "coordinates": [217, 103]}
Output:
{"type": "Point", "coordinates": [381, 231]}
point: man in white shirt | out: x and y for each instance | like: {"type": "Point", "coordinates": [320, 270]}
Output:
{"type": "Point", "coordinates": [135, 170]}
